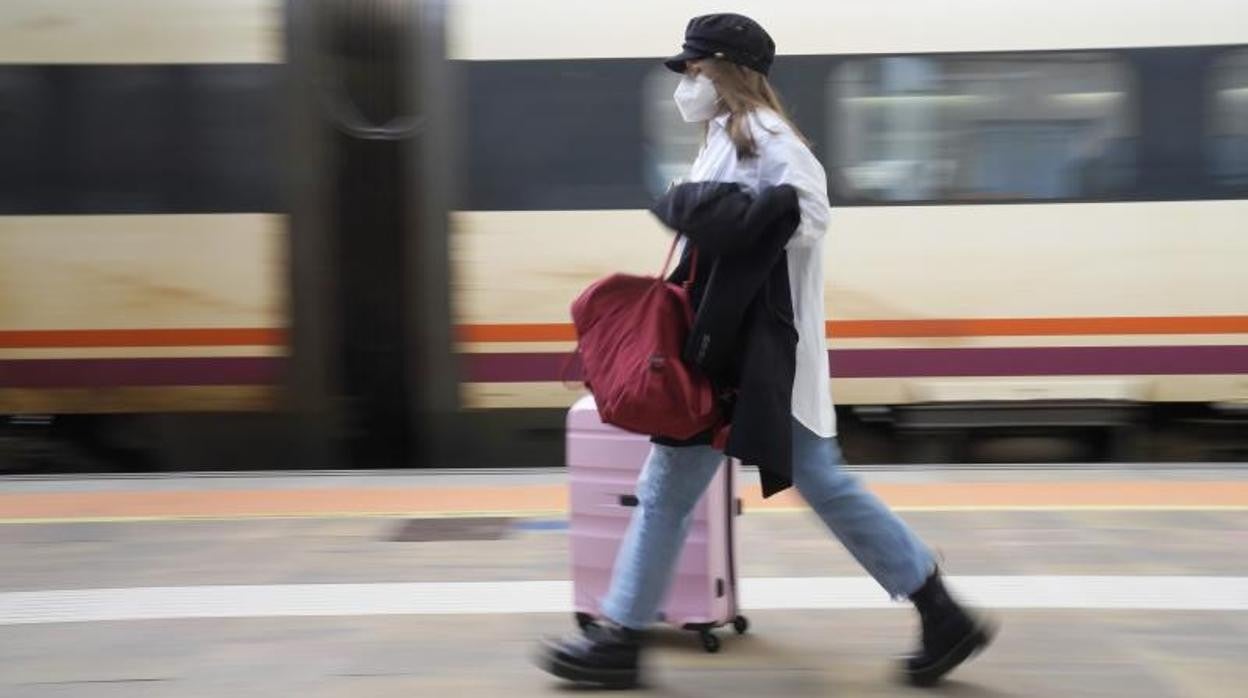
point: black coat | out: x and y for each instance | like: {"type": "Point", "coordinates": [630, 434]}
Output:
{"type": "Point", "coordinates": [743, 337]}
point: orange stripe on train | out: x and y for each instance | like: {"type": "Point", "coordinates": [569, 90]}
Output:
{"type": "Point", "coordinates": [1058, 326]}
{"type": "Point", "coordinates": [564, 332]}
{"type": "Point", "coordinates": [976, 327]}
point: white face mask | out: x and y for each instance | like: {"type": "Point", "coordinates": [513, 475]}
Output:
{"type": "Point", "coordinates": [696, 98]}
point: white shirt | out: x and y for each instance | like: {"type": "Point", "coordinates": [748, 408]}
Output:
{"type": "Point", "coordinates": [784, 159]}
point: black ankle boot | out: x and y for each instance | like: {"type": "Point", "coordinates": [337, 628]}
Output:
{"type": "Point", "coordinates": [951, 635]}
{"type": "Point", "coordinates": [603, 655]}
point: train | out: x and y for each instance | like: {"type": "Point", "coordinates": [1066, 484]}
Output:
{"type": "Point", "coordinates": [1037, 214]}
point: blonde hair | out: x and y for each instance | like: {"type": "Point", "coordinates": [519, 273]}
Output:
{"type": "Point", "coordinates": [741, 91]}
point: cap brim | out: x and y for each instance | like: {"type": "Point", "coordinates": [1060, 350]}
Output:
{"type": "Point", "coordinates": [677, 63]}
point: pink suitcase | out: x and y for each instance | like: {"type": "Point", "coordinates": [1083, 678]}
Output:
{"type": "Point", "coordinates": [603, 465]}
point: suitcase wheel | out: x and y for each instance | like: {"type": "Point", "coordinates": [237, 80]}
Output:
{"type": "Point", "coordinates": [584, 620]}
{"type": "Point", "coordinates": [740, 624]}
{"type": "Point", "coordinates": [709, 642]}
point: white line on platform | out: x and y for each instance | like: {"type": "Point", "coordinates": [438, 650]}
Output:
{"type": "Point", "coordinates": [428, 598]}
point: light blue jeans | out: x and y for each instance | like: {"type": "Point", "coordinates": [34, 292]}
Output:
{"type": "Point", "coordinates": [674, 479]}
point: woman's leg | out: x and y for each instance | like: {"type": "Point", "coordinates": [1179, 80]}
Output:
{"type": "Point", "coordinates": [881, 542]}
{"type": "Point", "coordinates": [669, 488]}
{"type": "Point", "coordinates": [884, 545]}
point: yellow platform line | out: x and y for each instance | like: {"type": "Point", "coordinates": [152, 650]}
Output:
{"type": "Point", "coordinates": [563, 513]}
{"type": "Point", "coordinates": [534, 501]}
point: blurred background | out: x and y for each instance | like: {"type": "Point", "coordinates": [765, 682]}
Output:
{"type": "Point", "coordinates": [284, 323]}
{"type": "Point", "coordinates": [286, 235]}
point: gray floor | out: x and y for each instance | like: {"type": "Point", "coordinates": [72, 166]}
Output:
{"type": "Point", "coordinates": [289, 551]}
{"type": "Point", "coordinates": [789, 653]}
{"type": "Point", "coordinates": [827, 653]}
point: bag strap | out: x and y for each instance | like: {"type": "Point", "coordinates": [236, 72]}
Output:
{"type": "Point", "coordinates": [693, 260]}
{"type": "Point", "coordinates": [671, 252]}
{"type": "Point", "coordinates": [693, 266]}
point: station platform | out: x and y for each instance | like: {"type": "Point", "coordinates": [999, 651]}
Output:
{"type": "Point", "coordinates": [1107, 581]}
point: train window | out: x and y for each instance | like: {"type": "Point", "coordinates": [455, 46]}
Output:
{"type": "Point", "coordinates": [982, 128]}
{"type": "Point", "coordinates": [670, 144]}
{"type": "Point", "coordinates": [1228, 137]}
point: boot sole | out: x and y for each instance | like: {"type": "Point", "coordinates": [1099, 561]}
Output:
{"type": "Point", "coordinates": [968, 647]}
{"type": "Point", "coordinates": [613, 679]}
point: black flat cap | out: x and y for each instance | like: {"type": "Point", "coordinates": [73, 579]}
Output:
{"type": "Point", "coordinates": [732, 37]}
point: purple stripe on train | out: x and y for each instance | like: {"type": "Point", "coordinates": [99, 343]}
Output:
{"type": "Point", "coordinates": [545, 367]}
{"type": "Point", "coordinates": [115, 373]}
{"type": "Point", "coordinates": [909, 363]}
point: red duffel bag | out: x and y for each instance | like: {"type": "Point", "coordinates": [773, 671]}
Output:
{"type": "Point", "coordinates": [630, 332]}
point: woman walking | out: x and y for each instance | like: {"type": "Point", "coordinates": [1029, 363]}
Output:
{"type": "Point", "coordinates": [753, 150]}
